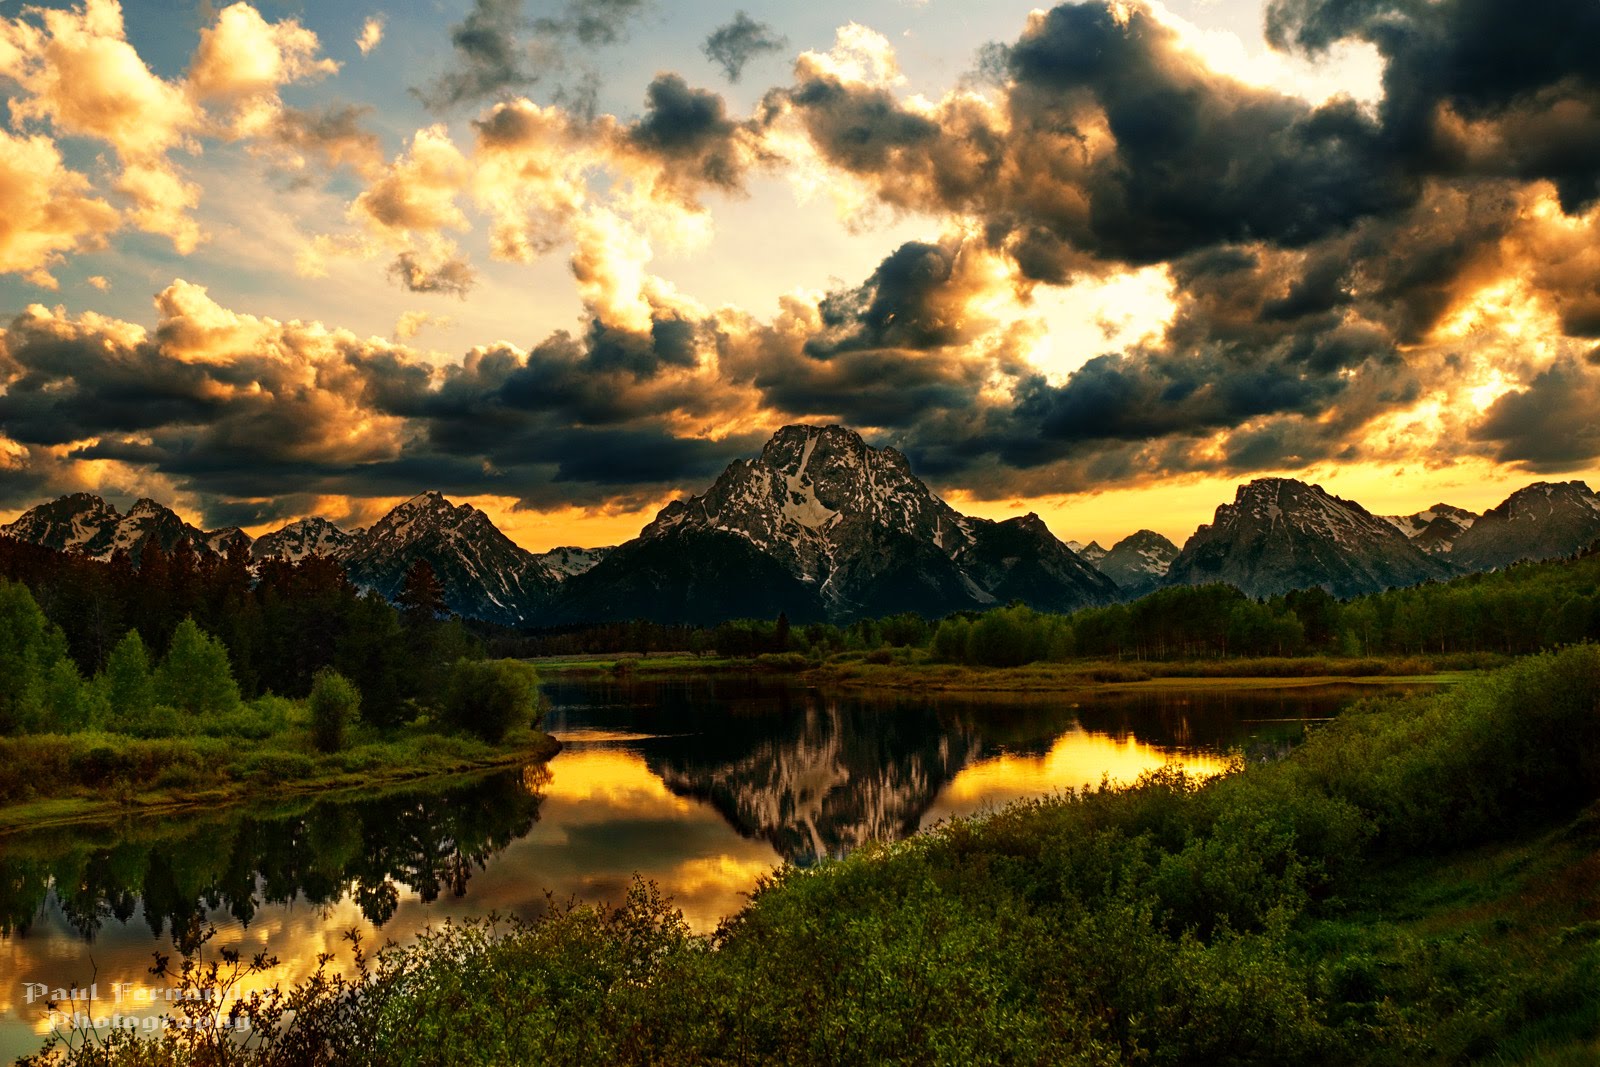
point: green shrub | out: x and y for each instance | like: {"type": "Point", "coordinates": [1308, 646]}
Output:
{"type": "Point", "coordinates": [157, 720]}
{"type": "Point", "coordinates": [782, 661]}
{"type": "Point", "coordinates": [279, 766]}
{"type": "Point", "coordinates": [335, 704]}
{"type": "Point", "coordinates": [490, 697]}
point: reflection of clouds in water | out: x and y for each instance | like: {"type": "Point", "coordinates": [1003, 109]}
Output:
{"type": "Point", "coordinates": [1076, 759]}
{"type": "Point", "coordinates": [604, 818]}
{"type": "Point", "coordinates": [605, 815]}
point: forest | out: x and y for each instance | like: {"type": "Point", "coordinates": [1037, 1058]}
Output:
{"type": "Point", "coordinates": [190, 673]}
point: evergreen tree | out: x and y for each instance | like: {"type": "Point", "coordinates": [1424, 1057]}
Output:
{"type": "Point", "coordinates": [372, 653]}
{"type": "Point", "coordinates": [421, 596]}
{"type": "Point", "coordinates": [69, 702]}
{"type": "Point", "coordinates": [30, 645]}
{"type": "Point", "coordinates": [129, 684]}
{"type": "Point", "coordinates": [195, 675]}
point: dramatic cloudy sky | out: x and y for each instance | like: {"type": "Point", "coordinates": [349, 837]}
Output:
{"type": "Point", "coordinates": [568, 258]}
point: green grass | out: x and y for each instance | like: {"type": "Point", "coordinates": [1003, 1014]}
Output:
{"type": "Point", "coordinates": [58, 779]}
{"type": "Point", "coordinates": [912, 669]}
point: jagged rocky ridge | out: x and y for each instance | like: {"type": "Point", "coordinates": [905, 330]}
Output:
{"type": "Point", "coordinates": [84, 523]}
{"type": "Point", "coordinates": [314, 536]}
{"type": "Point", "coordinates": [1138, 563]}
{"type": "Point", "coordinates": [1280, 534]}
{"type": "Point", "coordinates": [821, 525]}
{"type": "Point", "coordinates": [485, 575]}
{"type": "Point", "coordinates": [1546, 520]}
{"type": "Point", "coordinates": [1436, 529]}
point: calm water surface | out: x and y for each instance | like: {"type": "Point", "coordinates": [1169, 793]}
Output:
{"type": "Point", "coordinates": [702, 786]}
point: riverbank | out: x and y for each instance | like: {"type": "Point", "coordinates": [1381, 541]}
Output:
{"type": "Point", "coordinates": [1413, 884]}
{"type": "Point", "coordinates": [913, 671]}
{"type": "Point", "coordinates": [61, 780]}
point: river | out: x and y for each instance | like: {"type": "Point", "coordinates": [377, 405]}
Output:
{"type": "Point", "coordinates": [702, 785]}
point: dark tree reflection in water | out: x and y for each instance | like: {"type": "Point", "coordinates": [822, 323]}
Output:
{"type": "Point", "coordinates": [316, 851]}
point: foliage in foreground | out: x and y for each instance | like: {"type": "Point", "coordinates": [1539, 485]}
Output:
{"type": "Point", "coordinates": [1336, 907]}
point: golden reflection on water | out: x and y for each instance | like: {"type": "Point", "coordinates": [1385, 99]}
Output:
{"type": "Point", "coordinates": [1078, 758]}
{"type": "Point", "coordinates": [605, 817]}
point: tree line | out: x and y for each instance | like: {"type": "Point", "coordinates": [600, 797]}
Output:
{"type": "Point", "coordinates": [155, 648]}
{"type": "Point", "coordinates": [1523, 609]}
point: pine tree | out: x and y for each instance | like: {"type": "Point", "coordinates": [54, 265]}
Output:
{"type": "Point", "coordinates": [129, 685]}
{"type": "Point", "coordinates": [195, 675]}
{"type": "Point", "coordinates": [421, 597]}
{"type": "Point", "coordinates": [30, 645]}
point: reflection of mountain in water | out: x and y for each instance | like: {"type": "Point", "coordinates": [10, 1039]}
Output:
{"type": "Point", "coordinates": [837, 777]}
{"type": "Point", "coordinates": [819, 774]}
{"type": "Point", "coordinates": [240, 859]}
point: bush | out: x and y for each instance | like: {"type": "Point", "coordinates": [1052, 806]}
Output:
{"type": "Point", "coordinates": [335, 703]}
{"type": "Point", "coordinates": [157, 720]}
{"type": "Point", "coordinates": [280, 766]}
{"type": "Point", "coordinates": [489, 697]}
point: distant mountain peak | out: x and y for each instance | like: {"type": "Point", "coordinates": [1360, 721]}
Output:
{"type": "Point", "coordinates": [1282, 533]}
{"type": "Point", "coordinates": [1435, 529]}
{"type": "Point", "coordinates": [1094, 551]}
{"type": "Point", "coordinates": [484, 573]}
{"type": "Point", "coordinates": [1139, 562]}
{"type": "Point", "coordinates": [83, 522]}
{"type": "Point", "coordinates": [850, 529]}
{"type": "Point", "coordinates": [310, 536]}
{"type": "Point", "coordinates": [1545, 520]}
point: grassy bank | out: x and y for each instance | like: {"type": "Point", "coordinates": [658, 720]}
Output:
{"type": "Point", "coordinates": [59, 779]}
{"type": "Point", "coordinates": [912, 669]}
{"type": "Point", "coordinates": [1414, 884]}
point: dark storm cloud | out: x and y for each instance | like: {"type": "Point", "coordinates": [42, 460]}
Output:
{"type": "Point", "coordinates": [593, 22]}
{"type": "Point", "coordinates": [65, 390]}
{"type": "Point", "coordinates": [1485, 87]}
{"type": "Point", "coordinates": [500, 50]}
{"type": "Point", "coordinates": [245, 414]}
{"type": "Point", "coordinates": [1551, 425]}
{"type": "Point", "coordinates": [689, 129]}
{"type": "Point", "coordinates": [453, 276]}
{"type": "Point", "coordinates": [490, 56]}
{"type": "Point", "coordinates": [1200, 159]}
{"type": "Point", "coordinates": [1115, 145]}
{"type": "Point", "coordinates": [736, 43]}
{"type": "Point", "coordinates": [900, 306]}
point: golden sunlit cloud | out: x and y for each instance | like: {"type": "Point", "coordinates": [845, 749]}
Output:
{"type": "Point", "coordinates": [371, 35]}
{"type": "Point", "coordinates": [45, 210]}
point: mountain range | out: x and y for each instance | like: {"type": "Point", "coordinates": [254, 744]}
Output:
{"type": "Point", "coordinates": [822, 525]}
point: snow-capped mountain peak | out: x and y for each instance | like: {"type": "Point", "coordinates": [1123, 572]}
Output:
{"type": "Point", "coordinates": [312, 536]}
{"type": "Point", "coordinates": [1138, 562]}
{"type": "Point", "coordinates": [1281, 534]}
{"type": "Point", "coordinates": [853, 531]}
{"type": "Point", "coordinates": [85, 523]}
{"type": "Point", "coordinates": [484, 573]}
{"type": "Point", "coordinates": [1545, 520]}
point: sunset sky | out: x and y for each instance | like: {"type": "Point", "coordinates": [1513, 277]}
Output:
{"type": "Point", "coordinates": [566, 259]}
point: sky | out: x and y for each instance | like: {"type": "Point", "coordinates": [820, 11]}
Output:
{"type": "Point", "coordinates": [567, 259]}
